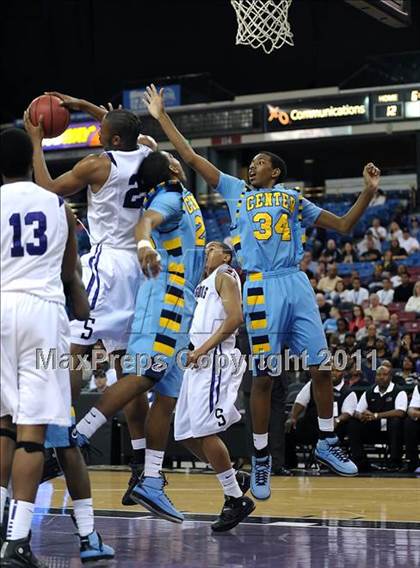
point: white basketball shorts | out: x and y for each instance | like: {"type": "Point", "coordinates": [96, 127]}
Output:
{"type": "Point", "coordinates": [112, 278]}
{"type": "Point", "coordinates": [34, 339]}
{"type": "Point", "coordinates": [206, 403]}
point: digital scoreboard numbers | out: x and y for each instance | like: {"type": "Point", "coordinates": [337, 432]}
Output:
{"type": "Point", "coordinates": [396, 105]}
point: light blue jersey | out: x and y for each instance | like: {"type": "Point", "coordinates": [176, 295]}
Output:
{"type": "Point", "coordinates": [267, 223]}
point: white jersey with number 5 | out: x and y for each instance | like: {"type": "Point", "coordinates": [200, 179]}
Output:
{"type": "Point", "coordinates": [34, 233]}
{"type": "Point", "coordinates": [114, 210]}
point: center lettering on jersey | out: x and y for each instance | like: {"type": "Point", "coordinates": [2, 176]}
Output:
{"type": "Point", "coordinates": [271, 199]}
{"type": "Point", "coordinates": [201, 291]}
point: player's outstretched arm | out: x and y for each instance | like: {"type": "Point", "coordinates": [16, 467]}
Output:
{"type": "Point", "coordinates": [149, 258]}
{"type": "Point", "coordinates": [345, 224]}
{"type": "Point", "coordinates": [228, 291]}
{"type": "Point", "coordinates": [154, 102]}
{"type": "Point", "coordinates": [80, 105]}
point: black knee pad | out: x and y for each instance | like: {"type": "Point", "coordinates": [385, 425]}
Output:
{"type": "Point", "coordinates": [30, 447]}
{"type": "Point", "coordinates": [8, 433]}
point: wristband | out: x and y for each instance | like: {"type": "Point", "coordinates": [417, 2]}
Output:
{"type": "Point", "coordinates": [144, 243]}
{"type": "Point", "coordinates": [376, 416]}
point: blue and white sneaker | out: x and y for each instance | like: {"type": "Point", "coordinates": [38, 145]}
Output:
{"type": "Point", "coordinates": [149, 493]}
{"type": "Point", "coordinates": [79, 439]}
{"type": "Point", "coordinates": [260, 477]}
{"type": "Point", "coordinates": [92, 548]}
{"type": "Point", "coordinates": [329, 452]}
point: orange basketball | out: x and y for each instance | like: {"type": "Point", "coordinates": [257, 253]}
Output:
{"type": "Point", "coordinates": [56, 118]}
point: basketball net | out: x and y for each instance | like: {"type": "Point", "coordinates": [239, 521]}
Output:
{"type": "Point", "coordinates": [263, 23]}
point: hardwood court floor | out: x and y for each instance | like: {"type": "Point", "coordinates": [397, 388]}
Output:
{"type": "Point", "coordinates": [329, 497]}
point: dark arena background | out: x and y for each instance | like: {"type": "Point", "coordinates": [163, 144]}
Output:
{"type": "Point", "coordinates": [346, 93]}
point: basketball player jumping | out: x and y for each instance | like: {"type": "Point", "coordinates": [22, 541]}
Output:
{"type": "Point", "coordinates": [279, 304]}
{"type": "Point", "coordinates": [206, 404]}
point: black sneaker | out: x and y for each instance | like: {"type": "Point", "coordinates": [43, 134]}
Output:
{"type": "Point", "coordinates": [235, 510]}
{"type": "Point", "coordinates": [244, 481]}
{"type": "Point", "coordinates": [18, 554]}
{"type": "Point", "coordinates": [136, 473]}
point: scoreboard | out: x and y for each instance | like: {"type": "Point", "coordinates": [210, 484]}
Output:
{"type": "Point", "coordinates": [396, 105]}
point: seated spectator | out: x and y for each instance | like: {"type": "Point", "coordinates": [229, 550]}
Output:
{"type": "Point", "coordinates": [397, 251]}
{"type": "Point", "coordinates": [314, 283]}
{"type": "Point", "coordinates": [302, 425]}
{"type": "Point", "coordinates": [380, 410]}
{"type": "Point", "coordinates": [415, 227]}
{"type": "Point", "coordinates": [389, 265]}
{"type": "Point", "coordinates": [392, 336]}
{"type": "Point", "coordinates": [363, 332]}
{"type": "Point", "coordinates": [394, 231]}
{"type": "Point", "coordinates": [413, 304]}
{"type": "Point", "coordinates": [323, 306]}
{"type": "Point", "coordinates": [404, 291]}
{"type": "Point", "coordinates": [407, 242]}
{"type": "Point", "coordinates": [330, 253]}
{"type": "Point", "coordinates": [350, 345]}
{"type": "Point", "coordinates": [412, 433]}
{"type": "Point", "coordinates": [377, 278]}
{"type": "Point", "coordinates": [355, 379]}
{"type": "Point", "coordinates": [358, 319]}
{"type": "Point", "coordinates": [330, 324]}
{"type": "Point", "coordinates": [369, 342]}
{"type": "Point", "coordinates": [327, 283]}
{"type": "Point", "coordinates": [378, 312]}
{"type": "Point", "coordinates": [372, 253]}
{"type": "Point", "coordinates": [386, 295]}
{"type": "Point", "coordinates": [382, 351]}
{"type": "Point", "coordinates": [342, 329]}
{"type": "Point", "coordinates": [378, 232]}
{"type": "Point", "coordinates": [321, 270]}
{"type": "Point", "coordinates": [378, 199]}
{"type": "Point", "coordinates": [403, 349]}
{"type": "Point", "coordinates": [407, 376]}
{"type": "Point", "coordinates": [339, 294]}
{"type": "Point", "coordinates": [349, 255]}
{"type": "Point", "coordinates": [397, 278]}
{"type": "Point", "coordinates": [357, 295]}
{"type": "Point", "coordinates": [100, 381]}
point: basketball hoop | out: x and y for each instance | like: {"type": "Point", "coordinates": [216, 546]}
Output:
{"type": "Point", "coordinates": [263, 23]}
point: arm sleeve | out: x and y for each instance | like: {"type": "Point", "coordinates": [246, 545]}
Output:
{"type": "Point", "coordinates": [168, 204]}
{"type": "Point", "coordinates": [310, 213]}
{"type": "Point", "coordinates": [230, 187]}
{"type": "Point", "coordinates": [349, 404]}
{"type": "Point", "coordinates": [401, 401]}
{"type": "Point", "coordinates": [362, 404]}
{"type": "Point", "coordinates": [415, 399]}
{"type": "Point", "coordinates": [304, 395]}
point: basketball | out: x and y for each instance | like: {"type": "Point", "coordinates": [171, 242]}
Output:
{"type": "Point", "coordinates": [56, 117]}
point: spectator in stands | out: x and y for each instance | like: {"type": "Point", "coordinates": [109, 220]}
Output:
{"type": "Point", "coordinates": [404, 291]}
{"type": "Point", "coordinates": [358, 319]}
{"type": "Point", "coordinates": [378, 312]}
{"type": "Point", "coordinates": [377, 230]}
{"type": "Point", "coordinates": [301, 426]}
{"type": "Point", "coordinates": [331, 252]}
{"type": "Point", "coordinates": [386, 295]}
{"type": "Point", "coordinates": [342, 328]}
{"type": "Point", "coordinates": [389, 265]}
{"type": "Point", "coordinates": [363, 332]}
{"type": "Point", "coordinates": [321, 270]}
{"type": "Point", "coordinates": [330, 324]}
{"type": "Point", "coordinates": [378, 199]}
{"type": "Point", "coordinates": [339, 294]}
{"type": "Point", "coordinates": [372, 252]}
{"type": "Point", "coordinates": [413, 304]}
{"type": "Point", "coordinates": [397, 279]}
{"type": "Point", "coordinates": [398, 252]}
{"type": "Point", "coordinates": [349, 255]}
{"type": "Point", "coordinates": [382, 351]}
{"type": "Point", "coordinates": [350, 344]}
{"type": "Point", "coordinates": [392, 336]}
{"type": "Point", "coordinates": [328, 282]}
{"type": "Point", "coordinates": [394, 231]}
{"type": "Point", "coordinates": [412, 433]}
{"type": "Point", "coordinates": [376, 283]}
{"type": "Point", "coordinates": [381, 408]}
{"type": "Point", "coordinates": [100, 381]}
{"type": "Point", "coordinates": [356, 379]}
{"type": "Point", "coordinates": [357, 295]}
{"type": "Point", "coordinates": [407, 375]}
{"type": "Point", "coordinates": [369, 342]}
{"type": "Point", "coordinates": [415, 227]}
{"type": "Point", "coordinates": [407, 242]}
{"type": "Point", "coordinates": [403, 349]}
{"type": "Point", "coordinates": [314, 284]}
{"type": "Point", "coordinates": [323, 306]}
{"type": "Point", "coordinates": [367, 240]}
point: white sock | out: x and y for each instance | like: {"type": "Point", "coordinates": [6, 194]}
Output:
{"type": "Point", "coordinates": [83, 512]}
{"type": "Point", "coordinates": [326, 424]}
{"type": "Point", "coordinates": [228, 482]}
{"type": "Point", "coordinates": [260, 441]}
{"type": "Point", "coordinates": [91, 422]}
{"type": "Point", "coordinates": [153, 463]}
{"type": "Point", "coordinates": [3, 497]}
{"type": "Point", "coordinates": [20, 519]}
{"type": "Point", "coordinates": [139, 444]}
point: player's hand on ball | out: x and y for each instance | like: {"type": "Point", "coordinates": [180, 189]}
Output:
{"type": "Point", "coordinates": [154, 101]}
{"type": "Point", "coordinates": [35, 132]}
{"type": "Point", "coordinates": [372, 176]}
{"type": "Point", "coordinates": [149, 262]}
{"type": "Point", "coordinates": [72, 103]}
